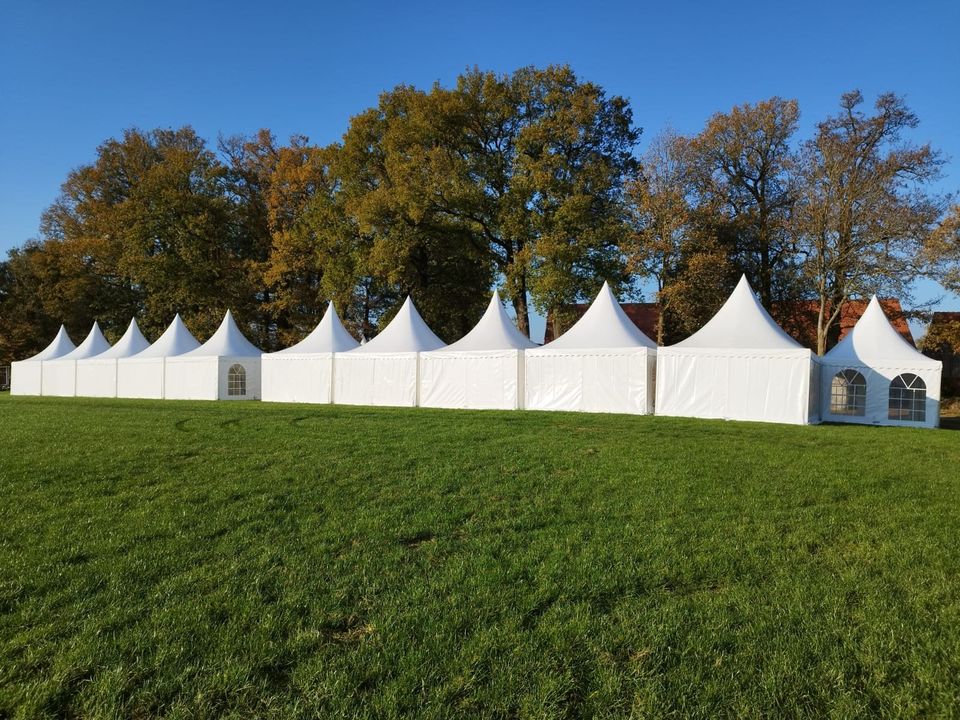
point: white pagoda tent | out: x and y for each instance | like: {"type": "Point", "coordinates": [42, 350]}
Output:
{"type": "Point", "coordinates": [604, 363]}
{"type": "Point", "coordinates": [483, 370]}
{"type": "Point", "coordinates": [874, 376]}
{"type": "Point", "coordinates": [741, 365]}
{"type": "Point", "coordinates": [97, 376]}
{"type": "Point", "coordinates": [60, 374]}
{"type": "Point", "coordinates": [385, 370]}
{"type": "Point", "coordinates": [225, 367]}
{"type": "Point", "coordinates": [142, 375]}
{"type": "Point", "coordinates": [304, 372]}
{"type": "Point", "coordinates": [27, 375]}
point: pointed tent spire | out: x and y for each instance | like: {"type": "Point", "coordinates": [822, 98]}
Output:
{"type": "Point", "coordinates": [873, 341]}
{"type": "Point", "coordinates": [94, 344]}
{"type": "Point", "coordinates": [131, 343]}
{"type": "Point", "coordinates": [494, 331]}
{"type": "Point", "coordinates": [328, 336]}
{"type": "Point", "coordinates": [61, 345]}
{"type": "Point", "coordinates": [603, 325]}
{"type": "Point", "coordinates": [742, 323]}
{"type": "Point", "coordinates": [176, 340]}
{"type": "Point", "coordinates": [407, 332]}
{"type": "Point", "coordinates": [227, 341]}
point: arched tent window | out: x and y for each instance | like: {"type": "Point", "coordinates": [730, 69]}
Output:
{"type": "Point", "coordinates": [908, 398]}
{"type": "Point", "coordinates": [236, 380]}
{"type": "Point", "coordinates": [848, 393]}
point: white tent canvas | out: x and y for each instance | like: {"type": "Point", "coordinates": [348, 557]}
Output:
{"type": "Point", "coordinates": [874, 376]}
{"type": "Point", "coordinates": [60, 374]}
{"type": "Point", "coordinates": [604, 363]}
{"type": "Point", "coordinates": [483, 370]}
{"type": "Point", "coordinates": [225, 367]}
{"type": "Point", "coordinates": [142, 375]}
{"type": "Point", "coordinates": [97, 376]}
{"type": "Point", "coordinates": [385, 370]}
{"type": "Point", "coordinates": [303, 373]}
{"type": "Point", "coordinates": [741, 365]}
{"type": "Point", "coordinates": [27, 375]}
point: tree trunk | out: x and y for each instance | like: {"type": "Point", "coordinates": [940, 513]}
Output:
{"type": "Point", "coordinates": [521, 308]}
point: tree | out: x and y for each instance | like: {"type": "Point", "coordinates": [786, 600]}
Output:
{"type": "Point", "coordinates": [153, 225]}
{"type": "Point", "coordinates": [521, 174]}
{"type": "Point", "coordinates": [942, 252]}
{"type": "Point", "coordinates": [743, 168]}
{"type": "Point", "coordinates": [661, 217]}
{"type": "Point", "coordinates": [864, 213]}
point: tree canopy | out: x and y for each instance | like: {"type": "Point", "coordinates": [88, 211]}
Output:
{"type": "Point", "coordinates": [530, 181]}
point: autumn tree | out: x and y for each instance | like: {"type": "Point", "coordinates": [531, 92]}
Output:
{"type": "Point", "coordinates": [743, 167]}
{"type": "Point", "coordinates": [865, 211]}
{"type": "Point", "coordinates": [522, 175]}
{"type": "Point", "coordinates": [153, 222]}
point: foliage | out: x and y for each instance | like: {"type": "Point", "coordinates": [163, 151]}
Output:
{"type": "Point", "coordinates": [527, 181]}
{"type": "Point", "coordinates": [864, 216]}
{"type": "Point", "coordinates": [243, 560]}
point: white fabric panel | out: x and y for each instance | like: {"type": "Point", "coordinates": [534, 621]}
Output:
{"type": "Point", "coordinates": [375, 379]}
{"type": "Point", "coordinates": [191, 378]}
{"type": "Point", "coordinates": [140, 378]}
{"type": "Point", "coordinates": [26, 377]}
{"type": "Point", "coordinates": [878, 381]}
{"type": "Point", "coordinates": [59, 378]}
{"type": "Point", "coordinates": [491, 380]}
{"type": "Point", "coordinates": [97, 377]}
{"type": "Point", "coordinates": [205, 378]}
{"type": "Point", "coordinates": [613, 381]}
{"type": "Point", "coordinates": [766, 386]}
{"type": "Point", "coordinates": [294, 377]}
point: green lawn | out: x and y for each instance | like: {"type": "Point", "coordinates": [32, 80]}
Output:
{"type": "Point", "coordinates": [249, 560]}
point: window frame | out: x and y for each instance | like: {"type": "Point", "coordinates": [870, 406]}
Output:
{"type": "Point", "coordinates": [845, 385]}
{"type": "Point", "coordinates": [237, 381]}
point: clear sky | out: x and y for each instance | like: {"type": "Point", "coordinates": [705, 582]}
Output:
{"type": "Point", "coordinates": [73, 74]}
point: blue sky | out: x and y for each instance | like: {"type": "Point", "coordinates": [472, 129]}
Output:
{"type": "Point", "coordinates": [75, 73]}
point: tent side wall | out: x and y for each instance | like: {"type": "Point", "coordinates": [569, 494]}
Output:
{"type": "Point", "coordinates": [140, 378]}
{"type": "Point", "coordinates": [251, 378]}
{"type": "Point", "coordinates": [877, 407]}
{"type": "Point", "coordinates": [191, 378]}
{"type": "Point", "coordinates": [478, 380]}
{"type": "Point", "coordinates": [26, 377]}
{"type": "Point", "coordinates": [97, 378]}
{"type": "Point", "coordinates": [759, 385]}
{"type": "Point", "coordinates": [603, 380]}
{"type": "Point", "coordinates": [60, 378]}
{"type": "Point", "coordinates": [387, 379]}
{"type": "Point", "coordinates": [297, 378]}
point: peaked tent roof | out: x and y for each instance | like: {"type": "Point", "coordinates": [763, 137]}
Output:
{"type": "Point", "coordinates": [131, 343]}
{"type": "Point", "coordinates": [873, 340]}
{"type": "Point", "coordinates": [603, 325]}
{"type": "Point", "coordinates": [328, 336]}
{"type": "Point", "coordinates": [407, 332]}
{"type": "Point", "coordinates": [94, 344]}
{"type": "Point", "coordinates": [742, 323]}
{"type": "Point", "coordinates": [227, 341]}
{"type": "Point", "coordinates": [61, 345]}
{"type": "Point", "coordinates": [176, 340]}
{"type": "Point", "coordinates": [493, 331]}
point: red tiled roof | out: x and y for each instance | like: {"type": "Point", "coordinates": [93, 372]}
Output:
{"type": "Point", "coordinates": [801, 322]}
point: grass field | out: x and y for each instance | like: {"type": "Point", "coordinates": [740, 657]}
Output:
{"type": "Point", "coordinates": [246, 560]}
